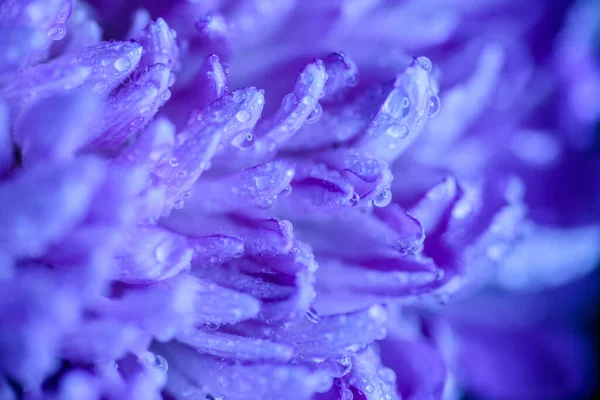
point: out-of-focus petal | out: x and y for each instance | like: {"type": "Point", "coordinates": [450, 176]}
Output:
{"type": "Point", "coordinates": [51, 200]}
{"type": "Point", "coordinates": [56, 128]}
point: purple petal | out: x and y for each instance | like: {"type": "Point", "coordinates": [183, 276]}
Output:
{"type": "Point", "coordinates": [371, 378]}
{"type": "Point", "coordinates": [250, 382]}
{"type": "Point", "coordinates": [256, 187]}
{"type": "Point", "coordinates": [6, 146]}
{"type": "Point", "coordinates": [403, 114]}
{"type": "Point", "coordinates": [158, 41]}
{"type": "Point", "coordinates": [152, 254]}
{"type": "Point", "coordinates": [52, 199]}
{"type": "Point", "coordinates": [54, 129]}
{"type": "Point", "coordinates": [133, 107]}
{"type": "Point", "coordinates": [223, 345]}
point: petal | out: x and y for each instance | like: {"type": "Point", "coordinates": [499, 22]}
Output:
{"type": "Point", "coordinates": [158, 41]}
{"type": "Point", "coordinates": [418, 365]}
{"type": "Point", "coordinates": [216, 249]}
{"type": "Point", "coordinates": [52, 199]}
{"type": "Point", "coordinates": [371, 378]}
{"type": "Point", "coordinates": [132, 107]}
{"type": "Point", "coordinates": [82, 30]}
{"type": "Point", "coordinates": [249, 382]}
{"type": "Point", "coordinates": [153, 144]}
{"type": "Point", "coordinates": [403, 114]}
{"type": "Point", "coordinates": [101, 67]}
{"type": "Point", "coordinates": [55, 128]}
{"type": "Point", "coordinates": [223, 345]}
{"type": "Point", "coordinates": [299, 106]}
{"type": "Point", "coordinates": [101, 341]}
{"type": "Point", "coordinates": [255, 187]}
{"type": "Point", "coordinates": [152, 254]}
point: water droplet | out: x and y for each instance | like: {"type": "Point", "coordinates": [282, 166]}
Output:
{"type": "Point", "coordinates": [288, 102]}
{"type": "Point", "coordinates": [383, 198]}
{"type": "Point", "coordinates": [397, 131]}
{"type": "Point", "coordinates": [433, 106]}
{"type": "Point", "coordinates": [369, 388]}
{"type": "Point", "coordinates": [162, 252]}
{"type": "Point", "coordinates": [57, 32]}
{"type": "Point", "coordinates": [212, 326]}
{"type": "Point", "coordinates": [243, 116]}
{"type": "Point", "coordinates": [286, 191]}
{"type": "Point", "coordinates": [354, 199]}
{"type": "Point", "coordinates": [161, 364]}
{"type": "Point", "coordinates": [173, 162]}
{"type": "Point", "coordinates": [100, 87]}
{"type": "Point", "coordinates": [387, 374]}
{"type": "Point", "coordinates": [243, 140]}
{"type": "Point", "coordinates": [405, 102]}
{"type": "Point", "coordinates": [166, 95]}
{"type": "Point", "coordinates": [346, 394]}
{"type": "Point", "coordinates": [425, 63]}
{"type": "Point", "coordinates": [171, 81]}
{"type": "Point", "coordinates": [308, 100]}
{"type": "Point", "coordinates": [178, 205]}
{"type": "Point", "coordinates": [312, 316]}
{"type": "Point", "coordinates": [122, 64]}
{"type": "Point", "coordinates": [315, 115]}
{"type": "Point", "coordinates": [262, 182]}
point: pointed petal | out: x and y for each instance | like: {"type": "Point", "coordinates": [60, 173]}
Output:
{"type": "Point", "coordinates": [298, 107]}
{"type": "Point", "coordinates": [132, 107]}
{"type": "Point", "coordinates": [403, 114]}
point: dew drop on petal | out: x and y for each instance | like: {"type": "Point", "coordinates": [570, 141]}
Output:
{"type": "Point", "coordinates": [433, 106]}
{"type": "Point", "coordinates": [288, 102]}
{"type": "Point", "coordinates": [161, 364]}
{"type": "Point", "coordinates": [122, 64]}
{"type": "Point", "coordinates": [425, 63]}
{"type": "Point", "coordinates": [178, 204]}
{"type": "Point", "coordinates": [173, 162]}
{"type": "Point", "coordinates": [383, 198]}
{"type": "Point", "coordinates": [166, 95]}
{"type": "Point", "coordinates": [243, 116]}
{"type": "Point", "coordinates": [312, 316]}
{"type": "Point", "coordinates": [397, 131]}
{"type": "Point", "coordinates": [286, 191]}
{"type": "Point", "coordinates": [315, 115]}
{"type": "Point", "coordinates": [57, 32]}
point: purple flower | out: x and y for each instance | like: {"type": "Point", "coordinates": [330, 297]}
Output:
{"type": "Point", "coordinates": [252, 199]}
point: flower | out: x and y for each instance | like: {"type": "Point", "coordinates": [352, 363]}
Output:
{"type": "Point", "coordinates": [258, 199]}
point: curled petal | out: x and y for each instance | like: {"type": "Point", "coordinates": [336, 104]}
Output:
{"type": "Point", "coordinates": [318, 189]}
{"type": "Point", "coordinates": [403, 114]}
{"type": "Point", "coordinates": [52, 199]}
{"type": "Point", "coordinates": [132, 107]}
{"type": "Point", "coordinates": [152, 254]}
{"type": "Point", "coordinates": [223, 345]}
{"type": "Point", "coordinates": [298, 107]}
{"type": "Point", "coordinates": [264, 381]}
{"type": "Point", "coordinates": [438, 200]}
